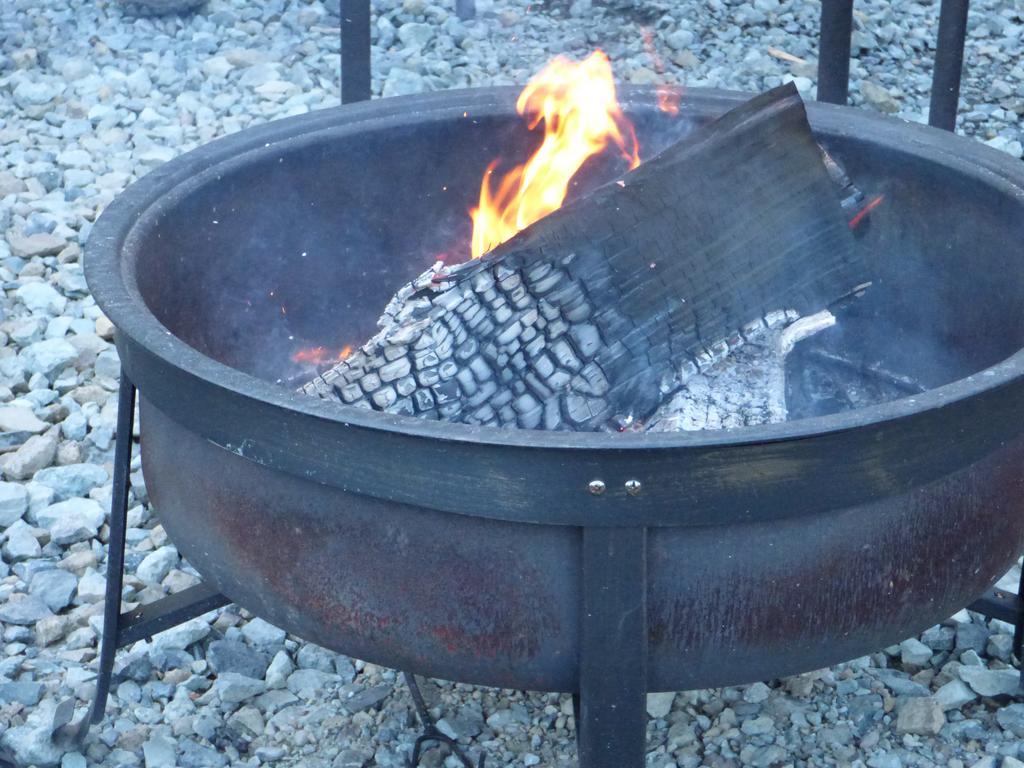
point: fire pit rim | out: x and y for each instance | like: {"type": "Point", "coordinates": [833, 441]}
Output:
{"type": "Point", "coordinates": [112, 282]}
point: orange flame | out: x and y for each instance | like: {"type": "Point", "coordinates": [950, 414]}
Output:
{"type": "Point", "coordinates": [581, 115]}
{"type": "Point", "coordinates": [321, 355]}
{"type": "Point", "coordinates": [668, 96]}
{"type": "Point", "coordinates": [668, 99]}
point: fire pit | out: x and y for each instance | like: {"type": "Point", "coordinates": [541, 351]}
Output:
{"type": "Point", "coordinates": [603, 564]}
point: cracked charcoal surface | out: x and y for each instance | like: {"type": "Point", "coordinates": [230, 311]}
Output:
{"type": "Point", "coordinates": [588, 318]}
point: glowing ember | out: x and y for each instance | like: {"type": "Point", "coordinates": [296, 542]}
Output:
{"type": "Point", "coordinates": [321, 355]}
{"type": "Point", "coordinates": [871, 205]}
{"type": "Point", "coordinates": [581, 116]}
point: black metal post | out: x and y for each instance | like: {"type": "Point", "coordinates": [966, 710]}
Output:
{"type": "Point", "coordinates": [121, 629]}
{"type": "Point", "coordinates": [611, 725]}
{"type": "Point", "coordinates": [115, 547]}
{"type": "Point", "coordinates": [834, 51]}
{"type": "Point", "coordinates": [431, 733]}
{"type": "Point", "coordinates": [1018, 627]}
{"type": "Point", "coordinates": [949, 64]}
{"type": "Point", "coordinates": [355, 50]}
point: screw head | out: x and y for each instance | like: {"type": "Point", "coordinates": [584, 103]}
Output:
{"type": "Point", "coordinates": [596, 487]}
{"type": "Point", "coordinates": [633, 487]}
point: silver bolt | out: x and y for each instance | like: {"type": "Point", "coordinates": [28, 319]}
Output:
{"type": "Point", "coordinates": [596, 487]}
{"type": "Point", "coordinates": [633, 487]}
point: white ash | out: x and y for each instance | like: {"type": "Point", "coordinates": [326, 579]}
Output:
{"type": "Point", "coordinates": [744, 387]}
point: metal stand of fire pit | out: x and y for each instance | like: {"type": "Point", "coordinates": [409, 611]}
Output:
{"type": "Point", "coordinates": [610, 705]}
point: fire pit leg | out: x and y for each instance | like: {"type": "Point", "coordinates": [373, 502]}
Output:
{"type": "Point", "coordinates": [431, 733]}
{"type": "Point", "coordinates": [76, 733]}
{"type": "Point", "coordinates": [611, 725]}
{"type": "Point", "coordinates": [1018, 627]}
{"type": "Point", "coordinates": [121, 629]}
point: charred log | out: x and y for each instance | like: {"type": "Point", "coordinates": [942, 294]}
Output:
{"type": "Point", "coordinates": [590, 317]}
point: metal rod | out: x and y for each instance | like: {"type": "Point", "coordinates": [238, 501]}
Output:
{"type": "Point", "coordinates": [146, 620]}
{"type": "Point", "coordinates": [1018, 632]}
{"type": "Point", "coordinates": [431, 731]}
{"type": "Point", "coordinates": [115, 547]}
{"type": "Point", "coordinates": [997, 604]}
{"type": "Point", "coordinates": [834, 51]}
{"type": "Point", "coordinates": [611, 728]}
{"type": "Point", "coordinates": [949, 64]}
{"type": "Point", "coordinates": [355, 50]}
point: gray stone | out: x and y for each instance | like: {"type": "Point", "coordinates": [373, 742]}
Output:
{"type": "Point", "coordinates": [39, 244]}
{"type": "Point", "coordinates": [515, 716]}
{"type": "Point", "coordinates": [234, 656]}
{"type": "Point", "coordinates": [32, 743]}
{"type": "Point", "coordinates": [971, 658]}
{"type": "Point", "coordinates": [263, 634]}
{"type": "Point", "coordinates": [34, 93]}
{"type": "Point", "coordinates": [368, 698]}
{"type": "Point", "coordinates": [38, 452]}
{"type": "Point", "coordinates": [680, 39]}
{"type": "Point", "coordinates": [352, 758]}
{"type": "Point", "coordinates": [758, 726]}
{"type": "Point", "coordinates": [309, 683]}
{"type": "Point", "coordinates": [48, 357]}
{"type": "Point", "coordinates": [23, 692]}
{"type": "Point", "coordinates": [1011, 718]}
{"type": "Point", "coordinates": [91, 587]}
{"type": "Point", "coordinates": [41, 297]}
{"type": "Point", "coordinates": [72, 480]}
{"type": "Point", "coordinates": [920, 715]}
{"type": "Point", "coordinates": [54, 587]}
{"type": "Point", "coordinates": [1000, 647]}
{"type": "Point", "coordinates": [193, 755]}
{"type": "Point", "coordinates": [280, 668]}
{"type": "Point", "coordinates": [415, 35]}
{"type": "Point", "coordinates": [72, 520]}
{"type": "Point", "coordinates": [159, 752]}
{"type": "Point", "coordinates": [312, 656]}
{"type": "Point", "coordinates": [879, 97]}
{"type": "Point", "coordinates": [181, 637]}
{"type": "Point", "coordinates": [108, 364]}
{"type": "Point", "coordinates": [21, 544]}
{"type": "Point", "coordinates": [971, 637]}
{"type": "Point", "coordinates": [234, 688]}
{"type": "Point", "coordinates": [954, 695]}
{"type": "Point", "coordinates": [248, 721]}
{"type": "Point", "coordinates": [24, 612]}
{"type": "Point", "coordinates": [465, 724]}
{"type": "Point", "coordinates": [901, 684]}
{"type": "Point", "coordinates": [756, 693]}
{"type": "Point", "coordinates": [400, 82]}
{"type": "Point", "coordinates": [13, 503]}
{"type": "Point", "coordinates": [914, 652]}
{"type": "Point", "coordinates": [50, 629]}
{"type": "Point", "coordinates": [156, 565]}
{"type": "Point", "coordinates": [14, 419]}
{"type": "Point", "coordinates": [991, 682]}
{"type": "Point", "coordinates": [269, 754]}
{"type": "Point", "coordinates": [660, 704]}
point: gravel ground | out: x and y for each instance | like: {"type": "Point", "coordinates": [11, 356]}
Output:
{"type": "Point", "coordinates": [91, 98]}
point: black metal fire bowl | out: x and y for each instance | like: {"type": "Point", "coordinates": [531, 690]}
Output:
{"type": "Point", "coordinates": [479, 554]}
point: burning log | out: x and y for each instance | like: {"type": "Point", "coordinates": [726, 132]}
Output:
{"type": "Point", "coordinates": [590, 317]}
